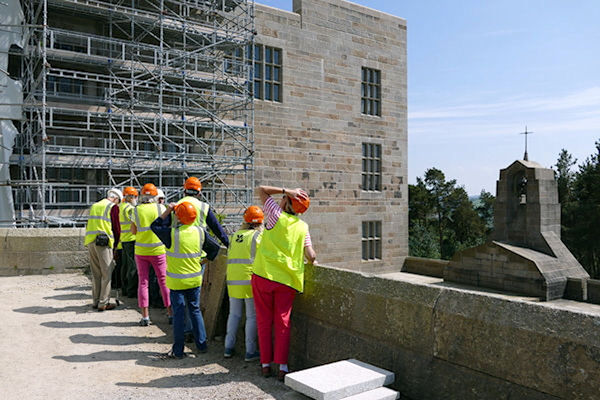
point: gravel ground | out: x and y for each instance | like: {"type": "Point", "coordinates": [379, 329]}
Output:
{"type": "Point", "coordinates": [53, 345]}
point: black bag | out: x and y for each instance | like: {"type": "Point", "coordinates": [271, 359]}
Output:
{"type": "Point", "coordinates": [102, 239]}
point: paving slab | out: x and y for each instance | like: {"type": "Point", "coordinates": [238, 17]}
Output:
{"type": "Point", "coordinates": [338, 380]}
{"type": "Point", "coordinates": [381, 393]}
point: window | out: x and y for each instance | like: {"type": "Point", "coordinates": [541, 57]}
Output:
{"type": "Point", "coordinates": [371, 167]}
{"type": "Point", "coordinates": [267, 77]}
{"type": "Point", "coordinates": [371, 92]}
{"type": "Point", "coordinates": [371, 240]}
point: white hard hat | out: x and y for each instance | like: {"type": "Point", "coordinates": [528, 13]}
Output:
{"type": "Point", "coordinates": [114, 192]}
{"type": "Point", "coordinates": [160, 194]}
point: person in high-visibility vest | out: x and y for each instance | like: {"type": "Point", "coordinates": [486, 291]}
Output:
{"type": "Point", "coordinates": [240, 260]}
{"type": "Point", "coordinates": [149, 250]}
{"type": "Point", "coordinates": [185, 245]}
{"type": "Point", "coordinates": [205, 217]}
{"type": "Point", "coordinates": [101, 235]}
{"type": "Point", "coordinates": [129, 280]}
{"type": "Point", "coordinates": [279, 272]}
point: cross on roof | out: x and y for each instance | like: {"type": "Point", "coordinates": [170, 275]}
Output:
{"type": "Point", "coordinates": [525, 156]}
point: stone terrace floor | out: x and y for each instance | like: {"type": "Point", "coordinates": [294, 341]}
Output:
{"type": "Point", "coordinates": [53, 345]}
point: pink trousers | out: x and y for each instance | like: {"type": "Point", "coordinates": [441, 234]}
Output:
{"type": "Point", "coordinates": [159, 263]}
{"type": "Point", "coordinates": [273, 303]}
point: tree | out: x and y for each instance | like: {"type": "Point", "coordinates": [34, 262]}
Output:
{"type": "Point", "coordinates": [440, 191]}
{"type": "Point", "coordinates": [442, 219]}
{"type": "Point", "coordinates": [564, 175]}
{"type": "Point", "coordinates": [582, 215]}
{"type": "Point", "coordinates": [485, 209]}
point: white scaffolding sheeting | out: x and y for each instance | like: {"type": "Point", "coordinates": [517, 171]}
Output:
{"type": "Point", "coordinates": [11, 100]}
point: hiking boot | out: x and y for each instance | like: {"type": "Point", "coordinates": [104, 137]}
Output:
{"type": "Point", "coordinates": [281, 375]}
{"type": "Point", "coordinates": [108, 306]}
{"type": "Point", "coordinates": [203, 348]}
{"type": "Point", "coordinates": [252, 357]}
{"type": "Point", "coordinates": [266, 372]}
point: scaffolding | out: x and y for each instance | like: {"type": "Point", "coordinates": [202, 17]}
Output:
{"type": "Point", "coordinates": [125, 92]}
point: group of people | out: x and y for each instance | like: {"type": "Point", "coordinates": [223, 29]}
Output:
{"type": "Point", "coordinates": [265, 266]}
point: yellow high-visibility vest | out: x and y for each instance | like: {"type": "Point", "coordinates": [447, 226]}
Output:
{"type": "Point", "coordinates": [240, 260]}
{"type": "Point", "coordinates": [125, 214]}
{"type": "Point", "coordinates": [99, 222]}
{"type": "Point", "coordinates": [280, 257]}
{"type": "Point", "coordinates": [201, 211]}
{"type": "Point", "coordinates": [184, 270]}
{"type": "Point", "coordinates": [146, 242]}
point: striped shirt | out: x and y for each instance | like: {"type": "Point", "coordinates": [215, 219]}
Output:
{"type": "Point", "coordinates": [272, 212]}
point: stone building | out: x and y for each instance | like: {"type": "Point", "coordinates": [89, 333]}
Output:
{"type": "Point", "coordinates": [135, 92]}
{"type": "Point", "coordinates": [339, 126]}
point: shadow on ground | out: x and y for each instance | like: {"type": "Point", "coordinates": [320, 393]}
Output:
{"type": "Point", "coordinates": [86, 324]}
{"type": "Point", "coordinates": [83, 288]}
{"type": "Point", "coordinates": [53, 310]}
{"type": "Point", "coordinates": [118, 340]}
{"type": "Point", "coordinates": [71, 296]}
{"type": "Point", "coordinates": [216, 379]}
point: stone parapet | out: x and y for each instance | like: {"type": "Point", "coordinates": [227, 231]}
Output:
{"type": "Point", "coordinates": [29, 251]}
{"type": "Point", "coordinates": [444, 340]}
{"type": "Point", "coordinates": [425, 266]}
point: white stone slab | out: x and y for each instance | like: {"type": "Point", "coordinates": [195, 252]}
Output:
{"type": "Point", "coordinates": [381, 393]}
{"type": "Point", "coordinates": [338, 380]}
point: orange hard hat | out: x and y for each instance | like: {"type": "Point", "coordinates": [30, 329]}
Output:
{"type": "Point", "coordinates": [149, 189]}
{"type": "Point", "coordinates": [254, 215]}
{"type": "Point", "coordinates": [130, 191]}
{"type": "Point", "coordinates": [193, 183]}
{"type": "Point", "coordinates": [186, 212]}
{"type": "Point", "coordinates": [300, 206]}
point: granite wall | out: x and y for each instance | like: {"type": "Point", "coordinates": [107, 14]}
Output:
{"type": "Point", "coordinates": [444, 341]}
{"type": "Point", "coordinates": [29, 251]}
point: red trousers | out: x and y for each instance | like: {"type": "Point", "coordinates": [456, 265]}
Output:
{"type": "Point", "coordinates": [273, 304]}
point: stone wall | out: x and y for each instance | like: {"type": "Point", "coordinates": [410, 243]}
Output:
{"type": "Point", "coordinates": [447, 342]}
{"type": "Point", "coordinates": [40, 251]}
{"type": "Point", "coordinates": [313, 138]}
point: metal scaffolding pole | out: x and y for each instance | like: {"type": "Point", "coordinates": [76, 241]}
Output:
{"type": "Point", "coordinates": [131, 92]}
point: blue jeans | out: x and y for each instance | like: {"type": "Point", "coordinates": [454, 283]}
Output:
{"type": "Point", "coordinates": [180, 300]}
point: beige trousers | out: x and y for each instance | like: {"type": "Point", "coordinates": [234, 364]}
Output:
{"type": "Point", "coordinates": [101, 264]}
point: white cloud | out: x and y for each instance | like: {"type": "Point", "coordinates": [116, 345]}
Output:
{"type": "Point", "coordinates": [585, 100]}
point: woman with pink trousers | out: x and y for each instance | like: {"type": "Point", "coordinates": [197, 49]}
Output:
{"type": "Point", "coordinates": [149, 250]}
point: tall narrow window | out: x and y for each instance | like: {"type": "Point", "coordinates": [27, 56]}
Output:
{"type": "Point", "coordinates": [371, 240]}
{"type": "Point", "coordinates": [371, 167]}
{"type": "Point", "coordinates": [371, 92]}
{"type": "Point", "coordinates": [267, 74]}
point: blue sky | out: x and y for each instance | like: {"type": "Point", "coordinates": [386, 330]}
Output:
{"type": "Point", "coordinates": [479, 71]}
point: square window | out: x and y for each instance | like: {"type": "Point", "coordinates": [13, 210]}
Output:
{"type": "Point", "coordinates": [371, 92]}
{"type": "Point", "coordinates": [371, 167]}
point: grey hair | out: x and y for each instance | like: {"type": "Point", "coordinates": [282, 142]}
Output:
{"type": "Point", "coordinates": [251, 225]}
{"type": "Point", "coordinates": [146, 198]}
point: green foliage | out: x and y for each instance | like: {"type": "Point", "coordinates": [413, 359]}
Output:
{"type": "Point", "coordinates": [442, 219]}
{"type": "Point", "coordinates": [485, 209]}
{"type": "Point", "coordinates": [580, 208]}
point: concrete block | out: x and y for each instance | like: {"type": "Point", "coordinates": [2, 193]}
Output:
{"type": "Point", "coordinates": [338, 380]}
{"type": "Point", "coordinates": [381, 393]}
{"type": "Point", "coordinates": [593, 293]}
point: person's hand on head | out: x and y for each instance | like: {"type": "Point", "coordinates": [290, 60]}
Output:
{"type": "Point", "coordinates": [296, 194]}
